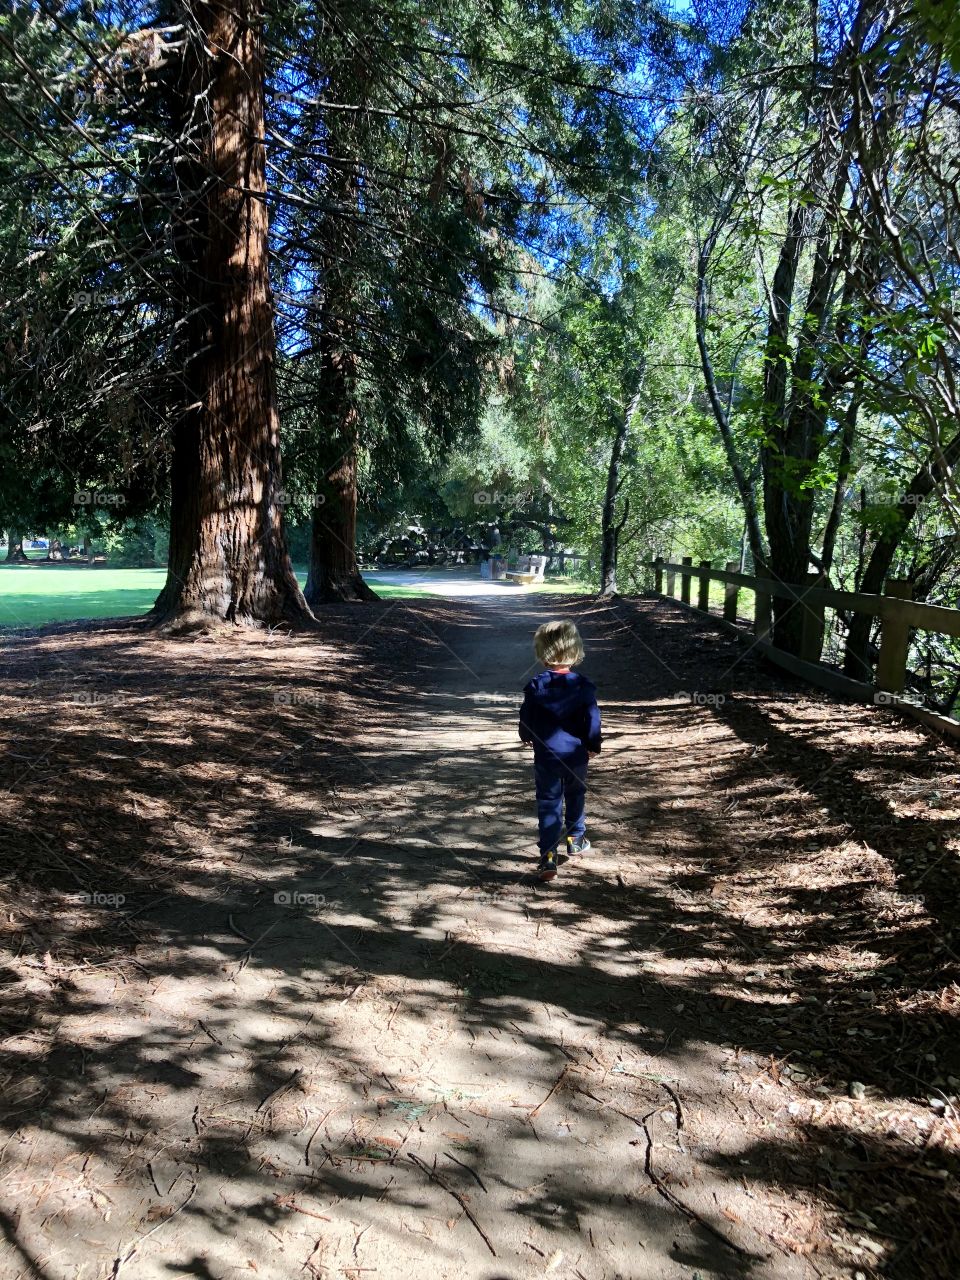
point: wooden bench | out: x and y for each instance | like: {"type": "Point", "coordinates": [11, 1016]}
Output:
{"type": "Point", "coordinates": [530, 569]}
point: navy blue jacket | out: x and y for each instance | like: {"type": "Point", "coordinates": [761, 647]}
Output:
{"type": "Point", "coordinates": [560, 715]}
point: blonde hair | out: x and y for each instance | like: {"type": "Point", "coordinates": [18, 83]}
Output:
{"type": "Point", "coordinates": [558, 644]}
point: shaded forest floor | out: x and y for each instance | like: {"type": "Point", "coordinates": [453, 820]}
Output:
{"type": "Point", "coordinates": [281, 996]}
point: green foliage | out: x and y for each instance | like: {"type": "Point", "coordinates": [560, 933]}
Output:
{"type": "Point", "coordinates": [608, 339]}
{"type": "Point", "coordinates": [941, 21]}
{"type": "Point", "coordinates": [136, 544]}
{"type": "Point", "coordinates": [485, 232]}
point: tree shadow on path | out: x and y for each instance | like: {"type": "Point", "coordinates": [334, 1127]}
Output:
{"type": "Point", "coordinates": [330, 956]}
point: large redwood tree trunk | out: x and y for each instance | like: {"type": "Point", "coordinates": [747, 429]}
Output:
{"type": "Point", "coordinates": [334, 573]}
{"type": "Point", "coordinates": [228, 555]}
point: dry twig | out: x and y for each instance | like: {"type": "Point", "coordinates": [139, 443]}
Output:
{"type": "Point", "coordinates": [435, 1177]}
{"type": "Point", "coordinates": [473, 1174]}
{"type": "Point", "coordinates": [556, 1086]}
{"type": "Point", "coordinates": [675, 1200]}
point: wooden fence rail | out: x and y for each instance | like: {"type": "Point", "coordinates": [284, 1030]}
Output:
{"type": "Point", "coordinates": [898, 615]}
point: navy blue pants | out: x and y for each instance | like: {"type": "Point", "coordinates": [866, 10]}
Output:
{"type": "Point", "coordinates": [561, 784]}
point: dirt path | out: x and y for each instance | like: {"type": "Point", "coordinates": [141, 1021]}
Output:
{"type": "Point", "coordinates": [334, 1028]}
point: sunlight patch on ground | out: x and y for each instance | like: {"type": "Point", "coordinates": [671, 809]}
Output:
{"type": "Point", "coordinates": [33, 595]}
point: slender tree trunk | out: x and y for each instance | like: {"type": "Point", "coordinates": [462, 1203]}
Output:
{"type": "Point", "coordinates": [795, 432]}
{"type": "Point", "coordinates": [926, 575]}
{"type": "Point", "coordinates": [843, 474]}
{"type": "Point", "coordinates": [794, 426]}
{"type": "Point", "coordinates": [745, 487]}
{"type": "Point", "coordinates": [228, 555]}
{"type": "Point", "coordinates": [856, 662]}
{"type": "Point", "coordinates": [609, 530]}
{"type": "Point", "coordinates": [787, 510]}
{"type": "Point", "coordinates": [610, 527]}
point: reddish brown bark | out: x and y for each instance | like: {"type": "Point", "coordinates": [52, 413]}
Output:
{"type": "Point", "coordinates": [228, 553]}
{"type": "Point", "coordinates": [334, 574]}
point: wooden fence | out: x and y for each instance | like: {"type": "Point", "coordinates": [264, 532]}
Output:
{"type": "Point", "coordinates": [561, 561]}
{"type": "Point", "coordinates": [898, 614]}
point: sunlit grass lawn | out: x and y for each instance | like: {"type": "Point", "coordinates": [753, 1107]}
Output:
{"type": "Point", "coordinates": [32, 595]}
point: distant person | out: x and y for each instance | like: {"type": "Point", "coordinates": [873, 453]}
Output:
{"type": "Point", "coordinates": [560, 720]}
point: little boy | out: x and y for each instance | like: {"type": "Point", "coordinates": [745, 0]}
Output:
{"type": "Point", "coordinates": [560, 720]}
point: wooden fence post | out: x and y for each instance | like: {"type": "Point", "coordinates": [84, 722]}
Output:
{"type": "Point", "coordinates": [671, 583]}
{"type": "Point", "coordinates": [658, 575]}
{"type": "Point", "coordinates": [762, 616]}
{"type": "Point", "coordinates": [811, 624]}
{"type": "Point", "coordinates": [685, 579]}
{"type": "Point", "coordinates": [703, 587]}
{"type": "Point", "coordinates": [730, 593]}
{"type": "Point", "coordinates": [894, 640]}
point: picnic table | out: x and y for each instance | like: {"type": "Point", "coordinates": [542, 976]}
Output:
{"type": "Point", "coordinates": [529, 570]}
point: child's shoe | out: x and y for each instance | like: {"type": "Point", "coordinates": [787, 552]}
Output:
{"type": "Point", "coordinates": [579, 844]}
{"type": "Point", "coordinates": [548, 865]}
